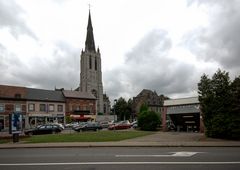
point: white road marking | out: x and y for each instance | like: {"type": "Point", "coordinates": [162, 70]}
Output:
{"type": "Point", "coordinates": [117, 163]}
{"type": "Point", "coordinates": [176, 154]}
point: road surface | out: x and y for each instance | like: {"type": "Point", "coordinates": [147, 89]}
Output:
{"type": "Point", "coordinates": [128, 158]}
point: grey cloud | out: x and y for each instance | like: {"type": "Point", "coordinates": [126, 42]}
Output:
{"type": "Point", "coordinates": [148, 65]}
{"type": "Point", "coordinates": [10, 17]}
{"type": "Point", "coordinates": [60, 70]}
{"type": "Point", "coordinates": [220, 41]}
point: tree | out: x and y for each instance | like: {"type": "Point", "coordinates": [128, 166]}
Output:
{"type": "Point", "coordinates": [148, 120]}
{"type": "Point", "coordinates": [235, 116]}
{"type": "Point", "coordinates": [216, 100]}
{"type": "Point", "coordinates": [122, 109]}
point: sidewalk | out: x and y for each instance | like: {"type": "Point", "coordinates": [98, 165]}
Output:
{"type": "Point", "coordinates": [159, 139]}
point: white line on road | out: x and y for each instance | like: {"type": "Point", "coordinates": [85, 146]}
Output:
{"type": "Point", "coordinates": [175, 154]}
{"type": "Point", "coordinates": [118, 163]}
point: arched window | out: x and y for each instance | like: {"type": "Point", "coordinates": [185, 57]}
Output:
{"type": "Point", "coordinates": [104, 108]}
{"type": "Point", "coordinates": [96, 64]}
{"type": "Point", "coordinates": [90, 62]}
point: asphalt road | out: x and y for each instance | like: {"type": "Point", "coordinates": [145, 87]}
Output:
{"type": "Point", "coordinates": [128, 158]}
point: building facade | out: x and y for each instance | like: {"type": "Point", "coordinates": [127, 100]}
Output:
{"type": "Point", "coordinates": [80, 106]}
{"type": "Point", "coordinates": [91, 71]}
{"type": "Point", "coordinates": [44, 106]}
{"type": "Point", "coordinates": [182, 114]}
{"type": "Point", "coordinates": [12, 99]}
{"type": "Point", "coordinates": [149, 98]}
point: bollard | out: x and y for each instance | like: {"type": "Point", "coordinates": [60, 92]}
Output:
{"type": "Point", "coordinates": [15, 137]}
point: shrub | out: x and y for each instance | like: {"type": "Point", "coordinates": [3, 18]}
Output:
{"type": "Point", "coordinates": [148, 120]}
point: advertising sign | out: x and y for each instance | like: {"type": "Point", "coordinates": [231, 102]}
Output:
{"type": "Point", "coordinates": [15, 123]}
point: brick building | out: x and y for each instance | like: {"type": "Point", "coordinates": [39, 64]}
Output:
{"type": "Point", "coordinates": [39, 106]}
{"type": "Point", "coordinates": [151, 99]}
{"type": "Point", "coordinates": [12, 99]}
{"type": "Point", "coordinates": [80, 106]}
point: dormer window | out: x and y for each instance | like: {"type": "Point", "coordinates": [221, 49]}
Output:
{"type": "Point", "coordinates": [17, 95]}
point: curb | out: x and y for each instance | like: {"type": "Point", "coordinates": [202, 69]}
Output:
{"type": "Point", "coordinates": [119, 144]}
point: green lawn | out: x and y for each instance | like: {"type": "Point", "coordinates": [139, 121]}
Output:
{"type": "Point", "coordinates": [100, 136]}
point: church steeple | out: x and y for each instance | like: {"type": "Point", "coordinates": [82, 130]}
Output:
{"type": "Point", "coordinates": [89, 43]}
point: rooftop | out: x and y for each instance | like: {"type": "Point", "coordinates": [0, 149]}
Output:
{"type": "Point", "coordinates": [181, 101]}
{"type": "Point", "coordinates": [78, 94]}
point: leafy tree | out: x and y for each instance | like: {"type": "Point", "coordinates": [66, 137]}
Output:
{"type": "Point", "coordinates": [68, 119]}
{"type": "Point", "coordinates": [122, 109]}
{"type": "Point", "coordinates": [216, 100]}
{"type": "Point", "coordinates": [235, 116]}
{"type": "Point", "coordinates": [143, 108]}
{"type": "Point", "coordinates": [148, 120]}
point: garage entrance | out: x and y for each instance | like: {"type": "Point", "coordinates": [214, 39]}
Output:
{"type": "Point", "coordinates": [188, 122]}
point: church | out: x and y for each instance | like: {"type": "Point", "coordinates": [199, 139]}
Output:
{"type": "Point", "coordinates": [91, 72]}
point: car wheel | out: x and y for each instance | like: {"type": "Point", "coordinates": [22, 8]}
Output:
{"type": "Point", "coordinates": [54, 132]}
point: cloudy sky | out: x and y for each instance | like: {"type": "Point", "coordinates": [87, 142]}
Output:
{"type": "Point", "coordinates": [162, 45]}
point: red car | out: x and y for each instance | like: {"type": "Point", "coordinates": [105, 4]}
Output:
{"type": "Point", "coordinates": [120, 125]}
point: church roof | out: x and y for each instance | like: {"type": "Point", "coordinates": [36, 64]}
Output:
{"type": "Point", "coordinates": [89, 43]}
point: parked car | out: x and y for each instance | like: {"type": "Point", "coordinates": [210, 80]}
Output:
{"type": "Point", "coordinates": [88, 126]}
{"type": "Point", "coordinates": [120, 125]}
{"type": "Point", "coordinates": [44, 129]}
{"type": "Point", "coordinates": [104, 124]}
{"type": "Point", "coordinates": [134, 124]}
{"type": "Point", "coordinates": [59, 124]}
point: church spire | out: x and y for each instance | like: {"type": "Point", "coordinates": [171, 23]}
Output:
{"type": "Point", "coordinates": [89, 43]}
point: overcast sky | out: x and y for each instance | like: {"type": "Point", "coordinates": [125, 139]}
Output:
{"type": "Point", "coordinates": [161, 45]}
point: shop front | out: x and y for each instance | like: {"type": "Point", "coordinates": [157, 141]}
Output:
{"type": "Point", "coordinates": [40, 119]}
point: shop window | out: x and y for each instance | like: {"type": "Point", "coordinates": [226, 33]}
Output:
{"type": "Point", "coordinates": [60, 108]}
{"type": "Point", "coordinates": [31, 107]}
{"type": "Point", "coordinates": [2, 109]}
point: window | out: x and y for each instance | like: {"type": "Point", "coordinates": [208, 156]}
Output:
{"type": "Point", "coordinates": [42, 107]}
{"type": "Point", "coordinates": [60, 108]}
{"type": "Point", "coordinates": [51, 107]}
{"type": "Point", "coordinates": [18, 108]}
{"type": "Point", "coordinates": [95, 63]}
{"type": "Point", "coordinates": [90, 62]}
{"type": "Point", "coordinates": [2, 109]}
{"type": "Point", "coordinates": [17, 95]}
{"type": "Point", "coordinates": [31, 107]}
{"type": "Point", "coordinates": [104, 108]}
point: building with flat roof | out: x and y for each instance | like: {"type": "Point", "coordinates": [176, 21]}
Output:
{"type": "Point", "coordinates": [182, 114]}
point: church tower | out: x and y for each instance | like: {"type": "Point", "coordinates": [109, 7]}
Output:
{"type": "Point", "coordinates": [91, 71]}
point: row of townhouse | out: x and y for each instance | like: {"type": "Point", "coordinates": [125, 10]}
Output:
{"type": "Point", "coordinates": [39, 106]}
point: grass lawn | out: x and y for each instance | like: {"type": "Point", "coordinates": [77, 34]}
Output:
{"type": "Point", "coordinates": [100, 136]}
